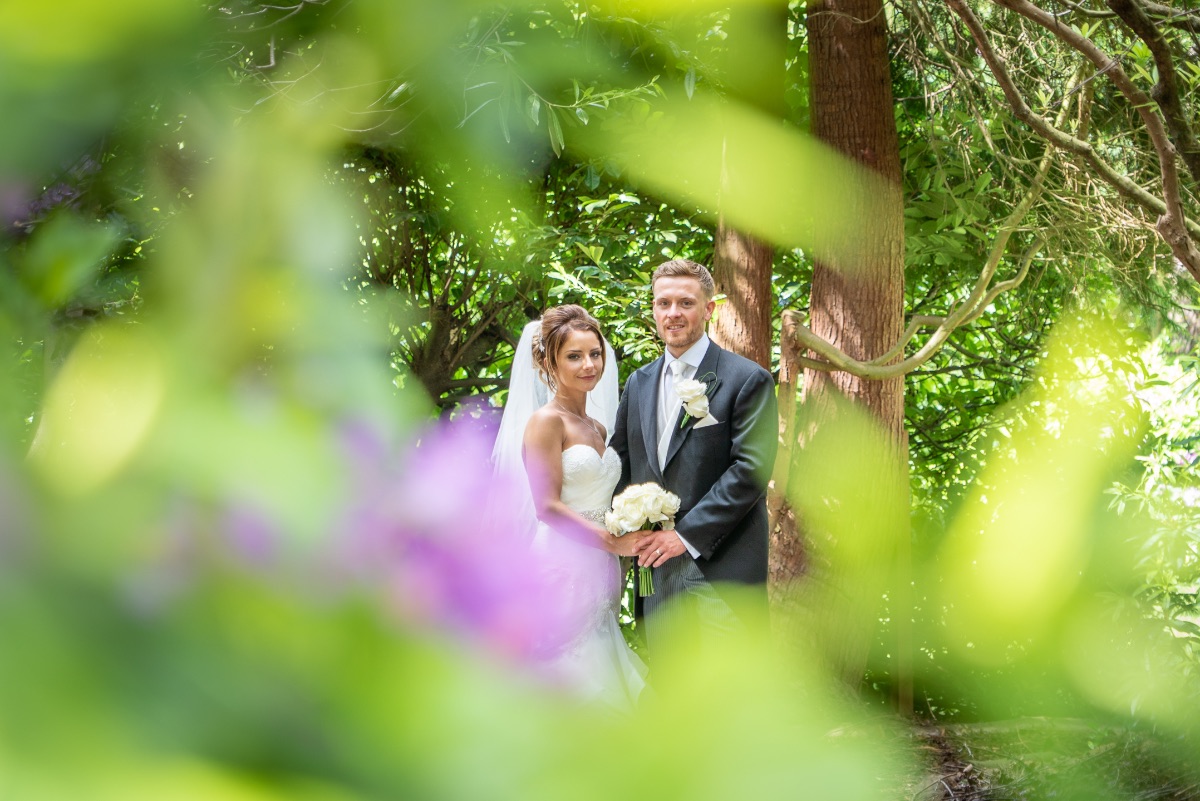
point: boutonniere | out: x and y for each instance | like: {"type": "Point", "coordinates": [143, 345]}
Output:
{"type": "Point", "coordinates": [695, 394]}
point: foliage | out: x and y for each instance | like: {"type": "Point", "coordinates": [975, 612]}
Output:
{"type": "Point", "coordinates": [172, 588]}
{"type": "Point", "coordinates": [455, 296]}
{"type": "Point", "coordinates": [1165, 496]}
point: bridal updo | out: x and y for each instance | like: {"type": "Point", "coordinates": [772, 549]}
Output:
{"type": "Point", "coordinates": [557, 324]}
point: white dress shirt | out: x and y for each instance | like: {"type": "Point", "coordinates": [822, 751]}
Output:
{"type": "Point", "coordinates": [669, 403]}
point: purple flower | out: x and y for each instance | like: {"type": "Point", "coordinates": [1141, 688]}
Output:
{"type": "Point", "coordinates": [251, 534]}
{"type": "Point", "coordinates": [449, 543]}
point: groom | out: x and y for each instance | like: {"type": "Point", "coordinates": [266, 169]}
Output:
{"type": "Point", "coordinates": [717, 460]}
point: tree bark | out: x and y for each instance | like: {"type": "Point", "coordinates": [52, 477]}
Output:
{"type": "Point", "coordinates": [858, 304]}
{"type": "Point", "coordinates": [752, 71]}
{"type": "Point", "coordinates": [742, 267]}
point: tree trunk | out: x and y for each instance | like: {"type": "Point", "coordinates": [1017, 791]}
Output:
{"type": "Point", "coordinates": [858, 304]}
{"type": "Point", "coordinates": [742, 267]}
{"type": "Point", "coordinates": [752, 71]}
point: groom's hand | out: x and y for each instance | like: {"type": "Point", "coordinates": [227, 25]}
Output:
{"type": "Point", "coordinates": [657, 547]}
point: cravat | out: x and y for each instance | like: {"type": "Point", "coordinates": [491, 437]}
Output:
{"type": "Point", "coordinates": [668, 408]}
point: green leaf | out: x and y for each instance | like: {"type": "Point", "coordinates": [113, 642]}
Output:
{"type": "Point", "coordinates": [535, 109]}
{"type": "Point", "coordinates": [556, 134]}
{"type": "Point", "coordinates": [593, 252]}
{"type": "Point", "coordinates": [689, 82]}
{"type": "Point", "coordinates": [475, 111]}
{"type": "Point", "coordinates": [64, 255]}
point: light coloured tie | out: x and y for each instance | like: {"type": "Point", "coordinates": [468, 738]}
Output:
{"type": "Point", "coordinates": [669, 409]}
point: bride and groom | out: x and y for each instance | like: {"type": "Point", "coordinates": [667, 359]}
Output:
{"type": "Point", "coordinates": [556, 425]}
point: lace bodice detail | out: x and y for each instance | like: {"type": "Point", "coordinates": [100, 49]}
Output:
{"type": "Point", "coordinates": [589, 479]}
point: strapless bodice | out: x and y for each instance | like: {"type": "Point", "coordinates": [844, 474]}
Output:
{"type": "Point", "coordinates": [589, 479]}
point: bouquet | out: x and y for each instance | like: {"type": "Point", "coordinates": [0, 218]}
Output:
{"type": "Point", "coordinates": [642, 507]}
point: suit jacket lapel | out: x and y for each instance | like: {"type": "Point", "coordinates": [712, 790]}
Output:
{"type": "Point", "coordinates": [648, 398]}
{"type": "Point", "coordinates": [707, 365]}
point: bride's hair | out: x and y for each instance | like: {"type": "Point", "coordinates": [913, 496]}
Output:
{"type": "Point", "coordinates": [557, 324]}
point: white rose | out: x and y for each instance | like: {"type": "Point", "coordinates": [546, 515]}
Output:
{"type": "Point", "coordinates": [628, 512]}
{"type": "Point", "coordinates": [655, 513]}
{"type": "Point", "coordinates": [642, 506]}
{"type": "Point", "coordinates": [697, 408]}
{"type": "Point", "coordinates": [690, 390]}
{"type": "Point", "coordinates": [694, 395]}
{"type": "Point", "coordinates": [670, 503]}
{"type": "Point", "coordinates": [649, 509]}
{"type": "Point", "coordinates": [632, 520]}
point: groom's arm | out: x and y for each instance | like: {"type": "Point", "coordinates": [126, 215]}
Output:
{"type": "Point", "coordinates": [754, 435]}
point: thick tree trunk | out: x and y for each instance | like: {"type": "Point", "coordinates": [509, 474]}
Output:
{"type": "Point", "coordinates": [788, 560]}
{"type": "Point", "coordinates": [858, 303]}
{"type": "Point", "coordinates": [742, 267]}
{"type": "Point", "coordinates": [752, 70]}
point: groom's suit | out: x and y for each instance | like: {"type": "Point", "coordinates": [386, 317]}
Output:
{"type": "Point", "coordinates": [719, 471]}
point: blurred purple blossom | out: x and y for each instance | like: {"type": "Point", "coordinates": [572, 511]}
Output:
{"type": "Point", "coordinates": [444, 538]}
{"type": "Point", "coordinates": [251, 534]}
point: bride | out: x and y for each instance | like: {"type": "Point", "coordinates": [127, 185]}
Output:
{"type": "Point", "coordinates": [558, 389]}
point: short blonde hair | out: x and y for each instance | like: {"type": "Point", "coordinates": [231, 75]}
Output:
{"type": "Point", "coordinates": [683, 268]}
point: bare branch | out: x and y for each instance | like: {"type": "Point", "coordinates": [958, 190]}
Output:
{"type": "Point", "coordinates": [982, 295]}
{"type": "Point", "coordinates": [1185, 19]}
{"type": "Point", "coordinates": [1173, 225]}
{"type": "Point", "coordinates": [1166, 90]}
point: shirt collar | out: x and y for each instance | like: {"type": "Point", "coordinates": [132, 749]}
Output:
{"type": "Point", "coordinates": [692, 356]}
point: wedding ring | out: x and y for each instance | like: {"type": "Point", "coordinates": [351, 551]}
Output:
{"type": "Point", "coordinates": [658, 551]}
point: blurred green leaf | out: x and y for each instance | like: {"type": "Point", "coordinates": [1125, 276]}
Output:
{"type": "Point", "coordinates": [66, 253]}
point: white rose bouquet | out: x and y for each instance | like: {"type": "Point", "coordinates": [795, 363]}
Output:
{"type": "Point", "coordinates": [642, 506]}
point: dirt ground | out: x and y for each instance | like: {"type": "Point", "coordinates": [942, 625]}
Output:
{"type": "Point", "coordinates": [1045, 758]}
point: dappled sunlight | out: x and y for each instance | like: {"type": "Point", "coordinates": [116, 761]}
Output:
{"type": "Point", "coordinates": [100, 409]}
{"type": "Point", "coordinates": [1018, 549]}
{"type": "Point", "coordinates": [1125, 665]}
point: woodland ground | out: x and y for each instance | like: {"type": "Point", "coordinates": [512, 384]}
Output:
{"type": "Point", "coordinates": [1044, 758]}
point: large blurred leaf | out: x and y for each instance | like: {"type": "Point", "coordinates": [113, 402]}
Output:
{"type": "Point", "coordinates": [764, 177]}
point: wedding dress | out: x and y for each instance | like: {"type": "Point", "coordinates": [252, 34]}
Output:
{"type": "Point", "coordinates": [596, 664]}
{"type": "Point", "coordinates": [592, 662]}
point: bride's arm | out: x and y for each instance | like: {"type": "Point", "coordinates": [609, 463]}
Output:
{"type": "Point", "coordinates": [544, 435]}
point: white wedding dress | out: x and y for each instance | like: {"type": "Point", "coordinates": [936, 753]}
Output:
{"type": "Point", "coordinates": [596, 665]}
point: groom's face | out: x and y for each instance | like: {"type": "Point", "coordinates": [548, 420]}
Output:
{"type": "Point", "coordinates": [680, 311]}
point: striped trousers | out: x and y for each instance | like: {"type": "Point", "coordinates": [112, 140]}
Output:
{"type": "Point", "coordinates": [685, 605]}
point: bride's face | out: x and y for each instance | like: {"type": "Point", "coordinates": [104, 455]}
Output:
{"type": "Point", "coordinates": [580, 361]}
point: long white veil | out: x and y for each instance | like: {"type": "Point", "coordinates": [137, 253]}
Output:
{"type": "Point", "coordinates": [526, 394]}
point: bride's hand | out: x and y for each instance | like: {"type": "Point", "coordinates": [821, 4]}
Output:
{"type": "Point", "coordinates": [627, 545]}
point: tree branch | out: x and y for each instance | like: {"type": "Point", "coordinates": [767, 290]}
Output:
{"type": "Point", "coordinates": [981, 296]}
{"type": "Point", "coordinates": [1166, 90]}
{"type": "Point", "coordinates": [1173, 225]}
{"type": "Point", "coordinates": [1181, 18]}
{"type": "Point", "coordinates": [1185, 19]}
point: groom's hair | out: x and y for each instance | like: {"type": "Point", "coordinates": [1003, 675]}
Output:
{"type": "Point", "coordinates": [557, 324]}
{"type": "Point", "coordinates": [683, 268]}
